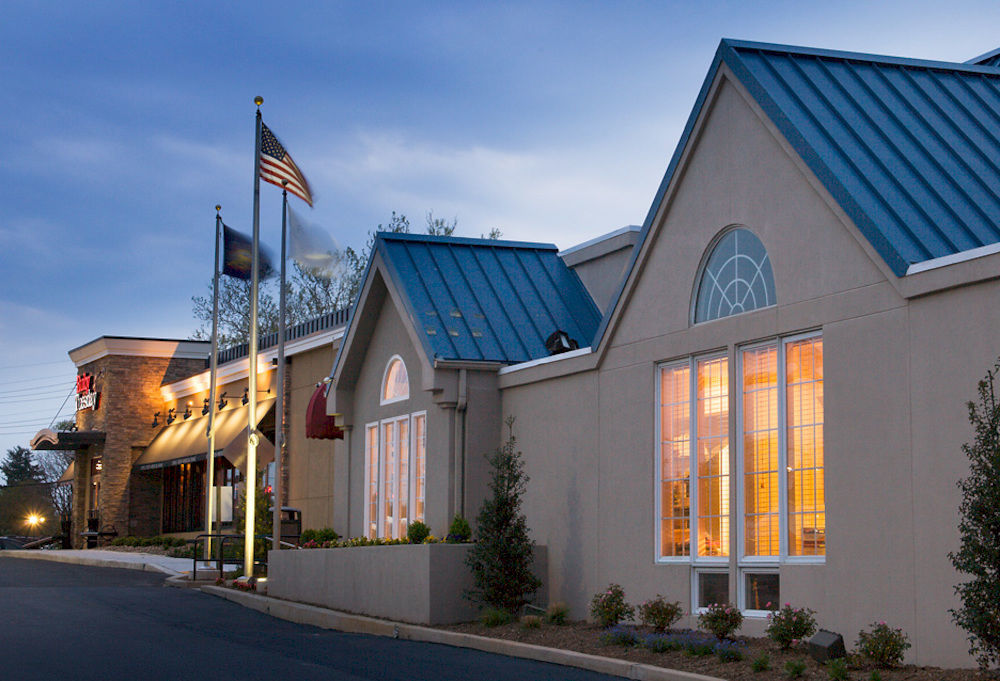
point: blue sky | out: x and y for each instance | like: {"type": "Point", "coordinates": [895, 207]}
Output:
{"type": "Point", "coordinates": [124, 123]}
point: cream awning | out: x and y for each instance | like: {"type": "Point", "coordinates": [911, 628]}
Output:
{"type": "Point", "coordinates": [186, 441]}
{"type": "Point", "coordinates": [68, 474]}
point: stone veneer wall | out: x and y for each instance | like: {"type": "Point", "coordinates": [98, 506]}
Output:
{"type": "Point", "coordinates": [129, 390]}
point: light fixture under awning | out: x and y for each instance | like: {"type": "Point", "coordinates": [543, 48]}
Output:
{"type": "Point", "coordinates": [186, 441]}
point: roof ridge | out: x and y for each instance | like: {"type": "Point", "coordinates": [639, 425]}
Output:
{"type": "Point", "coordinates": [464, 241]}
{"type": "Point", "coordinates": [966, 67]}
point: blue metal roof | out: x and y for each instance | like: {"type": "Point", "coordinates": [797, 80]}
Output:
{"type": "Point", "coordinates": [910, 149]}
{"type": "Point", "coordinates": [487, 300]}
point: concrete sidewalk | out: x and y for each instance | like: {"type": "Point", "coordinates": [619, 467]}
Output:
{"type": "Point", "coordinates": [173, 567]}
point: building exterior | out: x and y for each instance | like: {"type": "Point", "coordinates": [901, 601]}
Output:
{"type": "Point", "coordinates": [142, 416]}
{"type": "Point", "coordinates": [770, 405]}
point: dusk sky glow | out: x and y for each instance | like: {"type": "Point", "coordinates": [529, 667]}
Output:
{"type": "Point", "coordinates": [124, 124]}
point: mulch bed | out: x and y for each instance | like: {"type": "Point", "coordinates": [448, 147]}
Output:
{"type": "Point", "coordinates": [585, 638]}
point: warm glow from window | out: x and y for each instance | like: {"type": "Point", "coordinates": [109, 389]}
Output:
{"type": "Point", "coordinates": [675, 444]}
{"type": "Point", "coordinates": [371, 454]}
{"type": "Point", "coordinates": [420, 464]}
{"type": "Point", "coordinates": [396, 385]}
{"type": "Point", "coordinates": [804, 434]}
{"type": "Point", "coordinates": [713, 457]}
{"type": "Point", "coordinates": [760, 452]}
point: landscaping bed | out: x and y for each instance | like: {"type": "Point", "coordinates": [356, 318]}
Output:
{"type": "Point", "coordinates": [586, 638]}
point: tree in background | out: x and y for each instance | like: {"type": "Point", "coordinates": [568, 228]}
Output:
{"type": "Point", "coordinates": [979, 529]}
{"type": "Point", "coordinates": [18, 467]}
{"type": "Point", "coordinates": [234, 311]}
{"type": "Point", "coordinates": [502, 556]}
{"type": "Point", "coordinates": [53, 464]}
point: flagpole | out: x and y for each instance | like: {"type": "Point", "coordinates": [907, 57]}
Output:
{"type": "Point", "coordinates": [279, 404]}
{"type": "Point", "coordinates": [210, 430]}
{"type": "Point", "coordinates": [251, 473]}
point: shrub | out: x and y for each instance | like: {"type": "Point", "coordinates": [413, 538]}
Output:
{"type": "Point", "coordinates": [459, 531]}
{"type": "Point", "coordinates": [557, 613]}
{"type": "Point", "coordinates": [789, 624]}
{"type": "Point", "coordinates": [431, 539]}
{"type": "Point", "coordinates": [978, 526]}
{"type": "Point", "coordinates": [729, 651]}
{"type": "Point", "coordinates": [721, 620]}
{"type": "Point", "coordinates": [795, 668]}
{"type": "Point", "coordinates": [531, 622]}
{"type": "Point", "coordinates": [417, 532]}
{"type": "Point", "coordinates": [495, 617]}
{"type": "Point", "coordinates": [620, 636]}
{"type": "Point", "coordinates": [883, 645]}
{"type": "Point", "coordinates": [609, 607]}
{"type": "Point", "coordinates": [660, 614]}
{"type": "Point", "coordinates": [838, 669]}
{"type": "Point", "coordinates": [307, 536]}
{"type": "Point", "coordinates": [503, 553]}
{"type": "Point", "coordinates": [327, 534]}
{"type": "Point", "coordinates": [875, 676]}
{"type": "Point", "coordinates": [761, 663]}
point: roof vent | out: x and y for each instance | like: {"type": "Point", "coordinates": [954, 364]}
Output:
{"type": "Point", "coordinates": [560, 342]}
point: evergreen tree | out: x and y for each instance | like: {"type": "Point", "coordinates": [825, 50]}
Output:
{"type": "Point", "coordinates": [979, 528]}
{"type": "Point", "coordinates": [18, 467]}
{"type": "Point", "coordinates": [502, 555]}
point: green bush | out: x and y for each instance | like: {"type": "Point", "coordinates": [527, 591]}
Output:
{"type": "Point", "coordinates": [557, 613]}
{"type": "Point", "coordinates": [761, 663]}
{"type": "Point", "coordinates": [978, 526]}
{"type": "Point", "coordinates": [659, 613]}
{"type": "Point", "coordinates": [721, 619]}
{"type": "Point", "coordinates": [495, 617]}
{"type": "Point", "coordinates": [459, 531]}
{"type": "Point", "coordinates": [795, 668]}
{"type": "Point", "coordinates": [609, 607]}
{"type": "Point", "coordinates": [307, 536]}
{"type": "Point", "coordinates": [417, 532]}
{"type": "Point", "coordinates": [790, 624]}
{"type": "Point", "coordinates": [883, 645]}
{"type": "Point", "coordinates": [503, 553]}
{"type": "Point", "coordinates": [838, 669]}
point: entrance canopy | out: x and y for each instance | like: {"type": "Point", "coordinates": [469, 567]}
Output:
{"type": "Point", "coordinates": [186, 441]}
{"type": "Point", "coordinates": [66, 440]}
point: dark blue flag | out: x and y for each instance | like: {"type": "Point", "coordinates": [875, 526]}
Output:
{"type": "Point", "coordinates": [237, 255]}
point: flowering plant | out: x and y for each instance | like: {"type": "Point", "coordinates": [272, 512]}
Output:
{"type": "Point", "coordinates": [659, 613]}
{"type": "Point", "coordinates": [721, 619]}
{"type": "Point", "coordinates": [883, 645]}
{"type": "Point", "coordinates": [609, 606]}
{"type": "Point", "coordinates": [788, 625]}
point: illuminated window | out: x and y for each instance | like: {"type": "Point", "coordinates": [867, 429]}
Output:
{"type": "Point", "coordinates": [694, 423]}
{"type": "Point", "coordinates": [736, 277]}
{"type": "Point", "coordinates": [395, 384]}
{"type": "Point", "coordinates": [782, 458]}
{"type": "Point", "coordinates": [395, 474]}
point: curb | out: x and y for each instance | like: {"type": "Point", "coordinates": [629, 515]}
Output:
{"type": "Point", "coordinates": [360, 624]}
{"type": "Point", "coordinates": [58, 557]}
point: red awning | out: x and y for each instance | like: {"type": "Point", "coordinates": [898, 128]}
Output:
{"type": "Point", "coordinates": [319, 425]}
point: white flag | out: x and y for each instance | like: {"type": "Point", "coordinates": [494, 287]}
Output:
{"type": "Point", "coordinates": [311, 246]}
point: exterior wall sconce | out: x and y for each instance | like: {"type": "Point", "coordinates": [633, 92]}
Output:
{"type": "Point", "coordinates": [222, 401]}
{"type": "Point", "coordinates": [205, 408]}
{"type": "Point", "coordinates": [156, 420]}
{"type": "Point", "coordinates": [171, 416]}
{"type": "Point", "coordinates": [246, 395]}
{"type": "Point", "coordinates": [187, 411]}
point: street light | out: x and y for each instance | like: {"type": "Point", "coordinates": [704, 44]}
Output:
{"type": "Point", "coordinates": [34, 520]}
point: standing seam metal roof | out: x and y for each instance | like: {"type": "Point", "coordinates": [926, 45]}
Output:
{"type": "Point", "coordinates": [483, 300]}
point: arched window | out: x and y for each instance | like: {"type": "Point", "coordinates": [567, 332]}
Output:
{"type": "Point", "coordinates": [396, 384]}
{"type": "Point", "coordinates": [736, 277]}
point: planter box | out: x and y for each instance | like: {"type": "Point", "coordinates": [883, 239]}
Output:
{"type": "Point", "coordinates": [420, 584]}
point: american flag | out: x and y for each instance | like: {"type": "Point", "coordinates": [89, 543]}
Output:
{"type": "Point", "coordinates": [276, 166]}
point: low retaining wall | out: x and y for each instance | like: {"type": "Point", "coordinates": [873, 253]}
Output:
{"type": "Point", "coordinates": [420, 583]}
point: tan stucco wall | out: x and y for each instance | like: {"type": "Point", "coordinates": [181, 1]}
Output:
{"type": "Point", "coordinates": [897, 375]}
{"type": "Point", "coordinates": [309, 463]}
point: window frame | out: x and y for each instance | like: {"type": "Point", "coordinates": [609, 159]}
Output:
{"type": "Point", "coordinates": [696, 571]}
{"type": "Point", "coordinates": [760, 563]}
{"type": "Point", "coordinates": [377, 427]}
{"type": "Point", "coordinates": [703, 265]}
{"type": "Point", "coordinates": [385, 377]}
{"type": "Point", "coordinates": [741, 587]}
{"type": "Point", "coordinates": [691, 362]}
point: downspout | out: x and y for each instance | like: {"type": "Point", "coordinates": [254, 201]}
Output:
{"type": "Point", "coordinates": [460, 410]}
